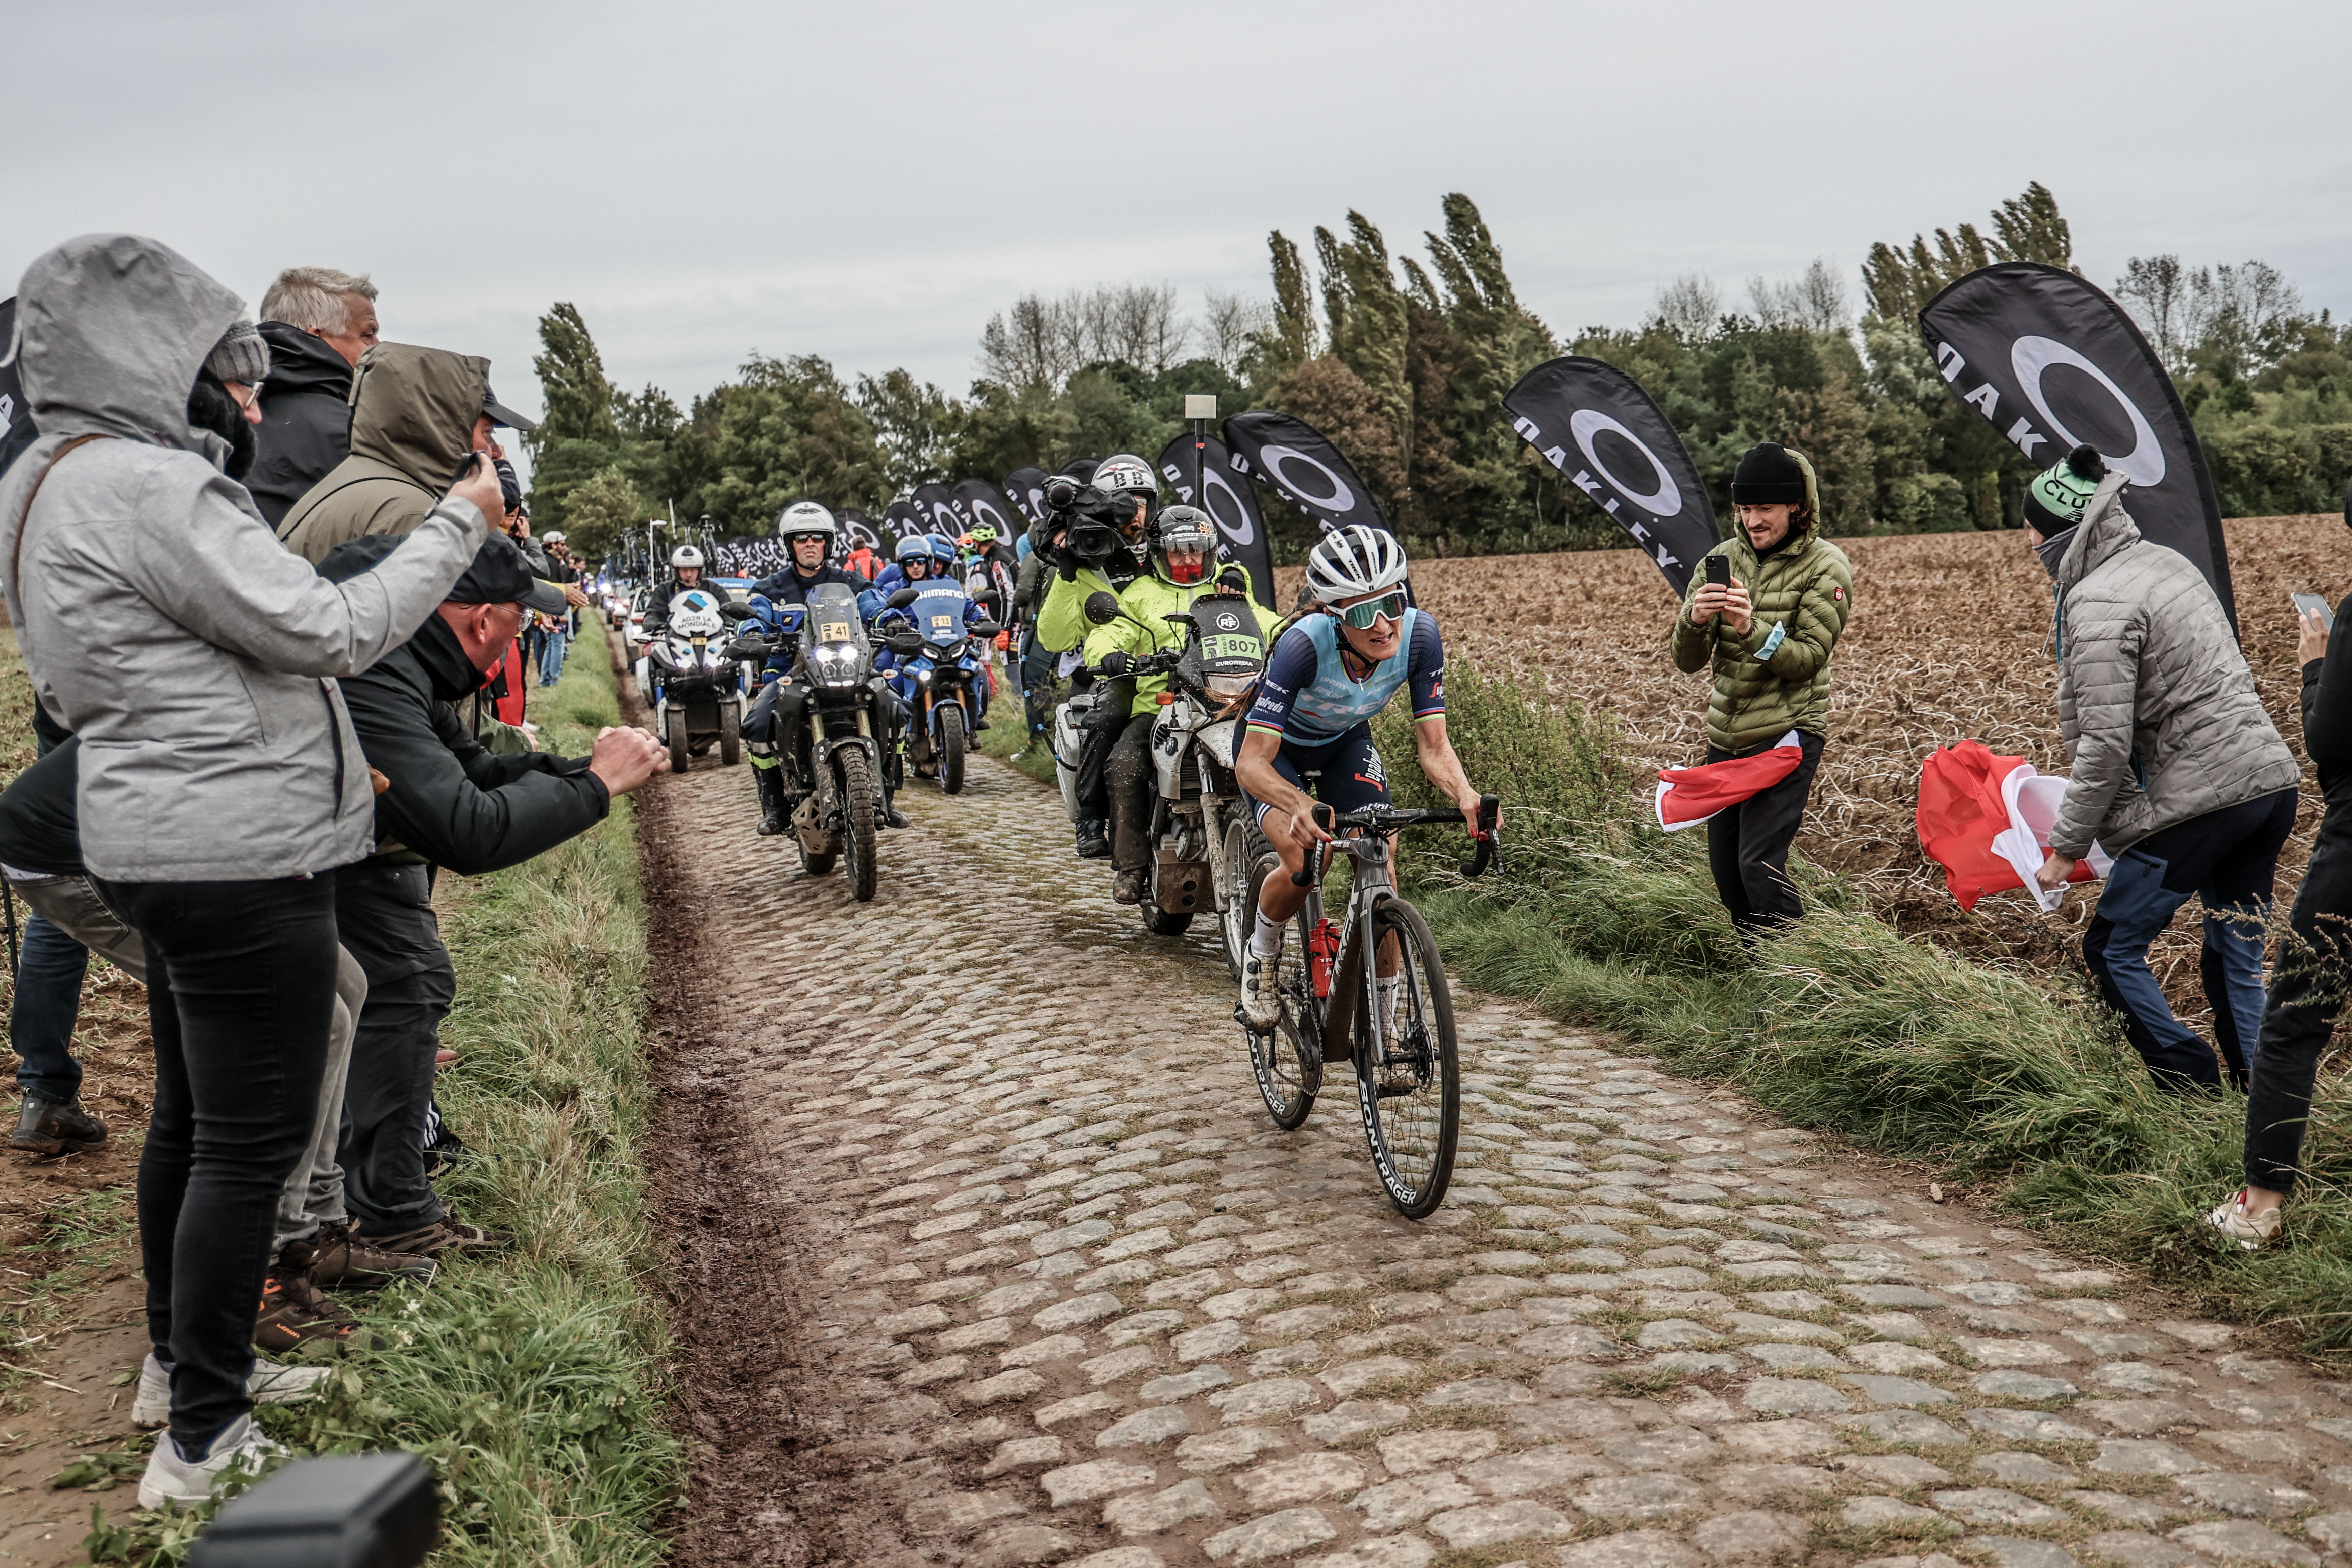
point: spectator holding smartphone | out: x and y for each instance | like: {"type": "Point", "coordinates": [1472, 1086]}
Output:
{"type": "Point", "coordinates": [1766, 621]}
{"type": "Point", "coordinates": [221, 783]}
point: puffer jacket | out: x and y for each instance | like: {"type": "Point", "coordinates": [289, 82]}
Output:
{"type": "Point", "coordinates": [2160, 712]}
{"type": "Point", "coordinates": [306, 419]}
{"type": "Point", "coordinates": [1140, 629]}
{"type": "Point", "coordinates": [1777, 678]}
{"type": "Point", "coordinates": [413, 413]}
{"type": "Point", "coordinates": [159, 619]}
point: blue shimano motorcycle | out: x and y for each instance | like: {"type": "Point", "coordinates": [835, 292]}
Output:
{"type": "Point", "coordinates": [941, 675]}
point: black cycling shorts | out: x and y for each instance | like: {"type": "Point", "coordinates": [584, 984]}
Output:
{"type": "Point", "coordinates": [1352, 777]}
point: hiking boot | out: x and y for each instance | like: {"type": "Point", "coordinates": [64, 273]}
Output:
{"type": "Point", "coordinates": [268, 1382]}
{"type": "Point", "coordinates": [894, 817]}
{"type": "Point", "coordinates": [1130, 887]}
{"type": "Point", "coordinates": [2251, 1231]}
{"type": "Point", "coordinates": [46, 1127]}
{"type": "Point", "coordinates": [346, 1261]}
{"type": "Point", "coordinates": [1093, 839]}
{"type": "Point", "coordinates": [174, 1479]}
{"type": "Point", "coordinates": [294, 1311]}
{"type": "Point", "coordinates": [445, 1233]}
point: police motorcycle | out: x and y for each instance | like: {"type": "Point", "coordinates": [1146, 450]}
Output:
{"type": "Point", "coordinates": [1204, 837]}
{"type": "Point", "coordinates": [695, 683]}
{"type": "Point", "coordinates": [833, 765]}
{"type": "Point", "coordinates": [941, 673]}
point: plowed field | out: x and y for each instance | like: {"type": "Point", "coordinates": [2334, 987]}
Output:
{"type": "Point", "coordinates": [1949, 640]}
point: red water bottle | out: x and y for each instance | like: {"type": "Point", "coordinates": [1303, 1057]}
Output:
{"type": "Point", "coordinates": [1322, 952]}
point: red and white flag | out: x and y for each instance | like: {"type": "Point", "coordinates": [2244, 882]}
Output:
{"type": "Point", "coordinates": [1689, 796]}
{"type": "Point", "coordinates": [1986, 818]}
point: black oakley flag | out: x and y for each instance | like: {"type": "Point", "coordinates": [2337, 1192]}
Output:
{"type": "Point", "coordinates": [984, 503]}
{"type": "Point", "coordinates": [12, 390]}
{"type": "Point", "coordinates": [858, 531]}
{"type": "Point", "coordinates": [1594, 423]}
{"type": "Point", "coordinates": [1298, 463]}
{"type": "Point", "coordinates": [935, 504]}
{"type": "Point", "coordinates": [901, 521]}
{"type": "Point", "coordinates": [2052, 364]}
{"type": "Point", "coordinates": [1026, 487]}
{"type": "Point", "coordinates": [1226, 497]}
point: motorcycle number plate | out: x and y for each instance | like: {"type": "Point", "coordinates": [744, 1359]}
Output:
{"type": "Point", "coordinates": [942, 628]}
{"type": "Point", "coordinates": [1231, 646]}
{"type": "Point", "coordinates": [833, 631]}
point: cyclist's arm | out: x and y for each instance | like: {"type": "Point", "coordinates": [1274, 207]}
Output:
{"type": "Point", "coordinates": [1425, 685]}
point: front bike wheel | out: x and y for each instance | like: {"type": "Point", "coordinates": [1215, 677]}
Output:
{"type": "Point", "coordinates": [1408, 1068]}
{"type": "Point", "coordinates": [858, 812]}
{"type": "Point", "coordinates": [951, 749]}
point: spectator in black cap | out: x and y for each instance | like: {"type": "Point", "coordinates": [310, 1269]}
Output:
{"type": "Point", "coordinates": [447, 803]}
{"type": "Point", "coordinates": [415, 414]}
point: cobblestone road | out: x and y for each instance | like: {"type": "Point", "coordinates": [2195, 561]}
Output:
{"type": "Point", "coordinates": [1079, 1301]}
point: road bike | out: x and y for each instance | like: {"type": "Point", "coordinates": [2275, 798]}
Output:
{"type": "Point", "coordinates": [1396, 1029]}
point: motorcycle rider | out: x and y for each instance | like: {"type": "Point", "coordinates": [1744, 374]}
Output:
{"type": "Point", "coordinates": [684, 577]}
{"type": "Point", "coordinates": [1329, 672]}
{"type": "Point", "coordinates": [1101, 527]}
{"type": "Point", "coordinates": [1183, 555]}
{"type": "Point", "coordinates": [808, 532]}
{"type": "Point", "coordinates": [913, 565]}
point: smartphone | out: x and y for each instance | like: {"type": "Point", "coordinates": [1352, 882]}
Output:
{"type": "Point", "coordinates": [2313, 604]}
{"type": "Point", "coordinates": [1718, 571]}
{"type": "Point", "coordinates": [465, 469]}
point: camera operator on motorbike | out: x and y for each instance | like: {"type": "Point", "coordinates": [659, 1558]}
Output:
{"type": "Point", "coordinates": [1103, 528]}
{"type": "Point", "coordinates": [1329, 674]}
{"type": "Point", "coordinates": [1183, 555]}
{"type": "Point", "coordinates": [808, 532]}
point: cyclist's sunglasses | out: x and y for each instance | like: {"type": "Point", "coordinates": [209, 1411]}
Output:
{"type": "Point", "coordinates": [1388, 607]}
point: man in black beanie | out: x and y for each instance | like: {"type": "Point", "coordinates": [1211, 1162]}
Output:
{"type": "Point", "coordinates": [1768, 635]}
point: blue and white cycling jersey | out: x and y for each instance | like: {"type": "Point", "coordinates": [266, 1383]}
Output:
{"type": "Point", "coordinates": [1308, 699]}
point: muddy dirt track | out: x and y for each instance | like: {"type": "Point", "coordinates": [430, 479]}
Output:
{"type": "Point", "coordinates": [983, 1251]}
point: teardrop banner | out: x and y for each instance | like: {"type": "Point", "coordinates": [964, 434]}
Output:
{"type": "Point", "coordinates": [857, 531]}
{"type": "Point", "coordinates": [1299, 463]}
{"type": "Point", "coordinates": [1594, 423]}
{"type": "Point", "coordinates": [1226, 497]}
{"type": "Point", "coordinates": [12, 392]}
{"type": "Point", "coordinates": [1026, 490]}
{"type": "Point", "coordinates": [2053, 364]}
{"type": "Point", "coordinates": [900, 520]}
{"type": "Point", "coordinates": [935, 504]}
{"type": "Point", "coordinates": [982, 502]}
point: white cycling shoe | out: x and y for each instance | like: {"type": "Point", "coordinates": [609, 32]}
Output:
{"type": "Point", "coordinates": [1261, 1005]}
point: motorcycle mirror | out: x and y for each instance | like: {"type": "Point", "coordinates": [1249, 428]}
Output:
{"type": "Point", "coordinates": [735, 612]}
{"type": "Point", "coordinates": [1101, 609]}
{"type": "Point", "coordinates": [988, 599]}
{"type": "Point", "coordinates": [984, 628]}
{"type": "Point", "coordinates": [904, 597]}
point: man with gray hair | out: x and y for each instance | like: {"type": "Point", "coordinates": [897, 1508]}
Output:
{"type": "Point", "coordinates": [318, 322]}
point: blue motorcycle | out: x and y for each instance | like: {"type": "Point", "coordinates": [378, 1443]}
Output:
{"type": "Point", "coordinates": [940, 656]}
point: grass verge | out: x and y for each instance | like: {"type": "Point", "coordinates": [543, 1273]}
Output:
{"type": "Point", "coordinates": [2019, 1082]}
{"type": "Point", "coordinates": [533, 1383]}
{"type": "Point", "coordinates": [1007, 739]}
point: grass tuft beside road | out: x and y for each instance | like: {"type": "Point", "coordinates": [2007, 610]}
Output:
{"type": "Point", "coordinates": [533, 1383]}
{"type": "Point", "coordinates": [2016, 1082]}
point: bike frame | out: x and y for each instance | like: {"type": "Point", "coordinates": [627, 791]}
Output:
{"type": "Point", "coordinates": [1341, 977]}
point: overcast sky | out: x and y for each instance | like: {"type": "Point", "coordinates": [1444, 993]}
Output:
{"type": "Point", "coordinates": [869, 182]}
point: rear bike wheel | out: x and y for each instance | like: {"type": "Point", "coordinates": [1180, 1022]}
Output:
{"type": "Point", "coordinates": [1408, 1066]}
{"type": "Point", "coordinates": [1244, 862]}
{"type": "Point", "coordinates": [1289, 1063]}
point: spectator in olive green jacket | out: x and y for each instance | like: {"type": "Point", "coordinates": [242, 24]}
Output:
{"type": "Point", "coordinates": [1769, 635]}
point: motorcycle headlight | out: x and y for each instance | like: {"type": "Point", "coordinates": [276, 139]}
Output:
{"type": "Point", "coordinates": [836, 663]}
{"type": "Point", "coordinates": [1232, 685]}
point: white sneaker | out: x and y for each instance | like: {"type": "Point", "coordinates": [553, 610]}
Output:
{"type": "Point", "coordinates": [1261, 1003]}
{"type": "Point", "coordinates": [172, 1480]}
{"type": "Point", "coordinates": [270, 1383]}
{"type": "Point", "coordinates": [2250, 1231]}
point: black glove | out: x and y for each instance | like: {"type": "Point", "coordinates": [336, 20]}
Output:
{"type": "Point", "coordinates": [1114, 664]}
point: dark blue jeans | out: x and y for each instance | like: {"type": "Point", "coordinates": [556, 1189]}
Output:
{"type": "Point", "coordinates": [42, 1011]}
{"type": "Point", "coordinates": [2227, 859]}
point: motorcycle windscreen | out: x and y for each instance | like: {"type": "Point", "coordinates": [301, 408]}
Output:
{"type": "Point", "coordinates": [1232, 654]}
{"type": "Point", "coordinates": [938, 614]}
{"type": "Point", "coordinates": [832, 613]}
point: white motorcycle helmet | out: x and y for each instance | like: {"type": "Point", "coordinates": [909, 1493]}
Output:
{"type": "Point", "coordinates": [1125, 475]}
{"type": "Point", "coordinates": [807, 517]}
{"type": "Point", "coordinates": [683, 556]}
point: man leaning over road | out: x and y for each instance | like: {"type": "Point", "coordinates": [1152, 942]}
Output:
{"type": "Point", "coordinates": [2177, 770]}
{"type": "Point", "coordinates": [318, 322]}
{"type": "Point", "coordinates": [446, 803]}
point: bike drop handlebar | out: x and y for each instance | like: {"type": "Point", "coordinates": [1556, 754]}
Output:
{"type": "Point", "coordinates": [1391, 819]}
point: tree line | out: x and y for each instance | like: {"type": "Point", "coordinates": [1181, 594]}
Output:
{"type": "Point", "coordinates": [1403, 362]}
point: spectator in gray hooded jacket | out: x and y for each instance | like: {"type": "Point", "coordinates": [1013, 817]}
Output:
{"type": "Point", "coordinates": [2176, 771]}
{"type": "Point", "coordinates": [221, 784]}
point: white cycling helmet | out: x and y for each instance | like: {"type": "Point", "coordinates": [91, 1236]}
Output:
{"type": "Point", "coordinates": [685, 554]}
{"type": "Point", "coordinates": [1124, 474]}
{"type": "Point", "coordinates": [807, 517]}
{"type": "Point", "coordinates": [1352, 561]}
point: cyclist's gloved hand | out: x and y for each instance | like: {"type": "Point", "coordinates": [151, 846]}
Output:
{"type": "Point", "coordinates": [1114, 664]}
